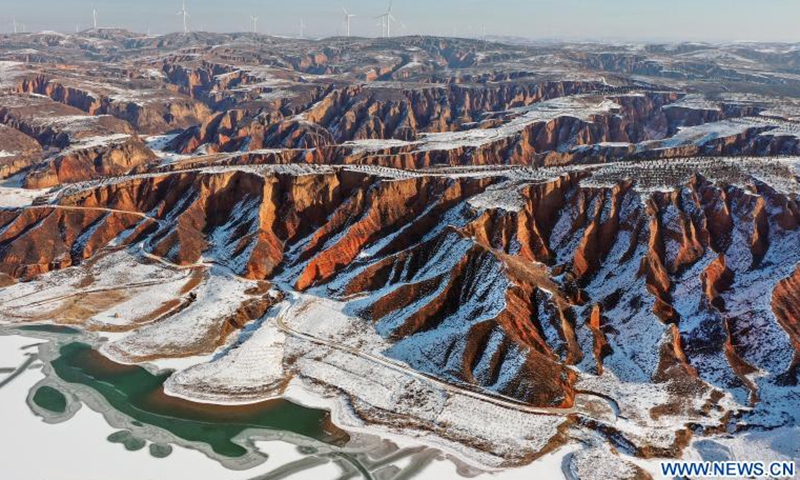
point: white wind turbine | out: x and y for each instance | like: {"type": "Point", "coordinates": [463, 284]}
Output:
{"type": "Point", "coordinates": [347, 18]}
{"type": "Point", "coordinates": [387, 19]}
{"type": "Point", "coordinates": [94, 18]}
{"type": "Point", "coordinates": [16, 25]}
{"type": "Point", "coordinates": [254, 19]}
{"type": "Point", "coordinates": [302, 28]}
{"type": "Point", "coordinates": [186, 15]}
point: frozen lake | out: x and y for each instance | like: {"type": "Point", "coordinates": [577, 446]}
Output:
{"type": "Point", "coordinates": [78, 446]}
{"type": "Point", "coordinates": [79, 449]}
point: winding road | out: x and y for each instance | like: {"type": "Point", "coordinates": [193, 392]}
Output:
{"type": "Point", "coordinates": [297, 301]}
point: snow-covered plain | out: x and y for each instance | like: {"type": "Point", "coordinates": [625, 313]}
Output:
{"type": "Point", "coordinates": [12, 195]}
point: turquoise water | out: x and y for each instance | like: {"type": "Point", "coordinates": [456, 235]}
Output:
{"type": "Point", "coordinates": [139, 394]}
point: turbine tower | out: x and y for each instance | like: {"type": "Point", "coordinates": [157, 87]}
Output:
{"type": "Point", "coordinates": [387, 19]}
{"type": "Point", "coordinates": [94, 18]}
{"type": "Point", "coordinates": [347, 17]}
{"type": "Point", "coordinates": [254, 19]}
{"type": "Point", "coordinates": [185, 14]}
{"type": "Point", "coordinates": [302, 28]}
{"type": "Point", "coordinates": [14, 22]}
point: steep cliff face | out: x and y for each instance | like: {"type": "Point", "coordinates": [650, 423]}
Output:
{"type": "Point", "coordinates": [263, 214]}
{"type": "Point", "coordinates": [786, 303]}
{"type": "Point", "coordinates": [506, 283]}
{"type": "Point", "coordinates": [56, 125]}
{"type": "Point", "coordinates": [224, 87]}
{"type": "Point", "coordinates": [103, 158]}
{"type": "Point", "coordinates": [672, 68]}
{"type": "Point", "coordinates": [552, 123]}
{"type": "Point", "coordinates": [148, 111]}
{"type": "Point", "coordinates": [372, 112]}
{"type": "Point", "coordinates": [17, 151]}
{"type": "Point", "coordinates": [38, 240]}
{"type": "Point", "coordinates": [367, 112]}
{"type": "Point", "coordinates": [504, 247]}
{"type": "Point", "coordinates": [480, 316]}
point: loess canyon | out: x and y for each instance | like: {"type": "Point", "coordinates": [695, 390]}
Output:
{"type": "Point", "coordinates": [496, 250]}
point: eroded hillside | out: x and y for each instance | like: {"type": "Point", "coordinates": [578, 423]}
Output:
{"type": "Point", "coordinates": [498, 249]}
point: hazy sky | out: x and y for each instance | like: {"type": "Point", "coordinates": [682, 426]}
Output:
{"type": "Point", "coordinates": [762, 20]}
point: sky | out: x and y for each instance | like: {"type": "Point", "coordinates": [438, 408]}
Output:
{"type": "Point", "coordinates": [610, 20]}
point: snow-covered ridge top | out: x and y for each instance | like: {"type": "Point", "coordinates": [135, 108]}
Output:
{"type": "Point", "coordinates": [75, 123]}
{"type": "Point", "coordinates": [97, 141]}
{"type": "Point", "coordinates": [303, 169]}
{"type": "Point", "coordinates": [582, 107]}
{"type": "Point", "coordinates": [504, 196]}
{"type": "Point", "coordinates": [695, 101]}
{"type": "Point", "coordinates": [374, 145]}
{"type": "Point", "coordinates": [780, 173]}
{"type": "Point", "coordinates": [9, 73]}
{"type": "Point", "coordinates": [667, 175]}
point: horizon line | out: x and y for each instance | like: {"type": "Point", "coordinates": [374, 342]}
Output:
{"type": "Point", "coordinates": [488, 38]}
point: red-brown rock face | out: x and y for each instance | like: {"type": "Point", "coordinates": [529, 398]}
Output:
{"type": "Point", "coordinates": [110, 157]}
{"type": "Point", "coordinates": [41, 239]}
{"type": "Point", "coordinates": [146, 110]}
{"type": "Point", "coordinates": [504, 284]}
{"type": "Point", "coordinates": [786, 303]}
{"type": "Point", "coordinates": [17, 151]}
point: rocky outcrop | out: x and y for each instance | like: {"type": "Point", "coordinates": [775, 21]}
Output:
{"type": "Point", "coordinates": [522, 283]}
{"type": "Point", "coordinates": [17, 151]}
{"type": "Point", "coordinates": [115, 156]}
{"type": "Point", "coordinates": [786, 304]}
{"type": "Point", "coordinates": [38, 240]}
{"type": "Point", "coordinates": [148, 111]}
{"type": "Point", "coordinates": [506, 299]}
{"type": "Point", "coordinates": [366, 112]}
{"type": "Point", "coordinates": [640, 125]}
{"type": "Point", "coordinates": [54, 124]}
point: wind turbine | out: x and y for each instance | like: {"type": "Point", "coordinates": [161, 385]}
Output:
{"type": "Point", "coordinates": [302, 28]}
{"type": "Point", "coordinates": [347, 17]}
{"type": "Point", "coordinates": [387, 19]}
{"type": "Point", "coordinates": [254, 19]}
{"type": "Point", "coordinates": [14, 22]}
{"type": "Point", "coordinates": [185, 14]}
{"type": "Point", "coordinates": [94, 18]}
